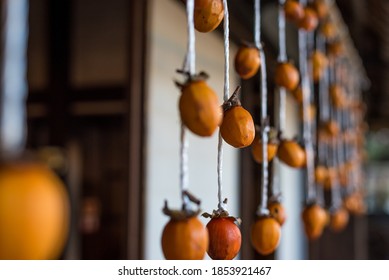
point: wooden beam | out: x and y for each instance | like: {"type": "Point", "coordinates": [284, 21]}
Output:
{"type": "Point", "coordinates": [136, 123]}
{"type": "Point", "coordinates": [59, 54]}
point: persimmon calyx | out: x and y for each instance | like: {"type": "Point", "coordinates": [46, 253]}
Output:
{"type": "Point", "coordinates": [233, 100]}
{"type": "Point", "coordinates": [185, 212]}
{"type": "Point", "coordinates": [222, 213]}
{"type": "Point", "coordinates": [275, 198]}
{"type": "Point", "coordinates": [201, 76]}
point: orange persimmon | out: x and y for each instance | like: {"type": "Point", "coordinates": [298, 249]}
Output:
{"type": "Point", "coordinates": [265, 235]}
{"type": "Point", "coordinates": [199, 107]}
{"type": "Point", "coordinates": [224, 238]}
{"type": "Point", "coordinates": [34, 212]}
{"type": "Point", "coordinates": [184, 239]}
{"type": "Point", "coordinates": [277, 211]}
{"type": "Point", "coordinates": [291, 153]}
{"type": "Point", "coordinates": [237, 128]}
{"type": "Point", "coordinates": [314, 218]}
{"type": "Point", "coordinates": [286, 76]}
{"type": "Point", "coordinates": [339, 219]}
{"type": "Point", "coordinates": [247, 61]}
{"type": "Point", "coordinates": [208, 14]}
{"type": "Point", "coordinates": [293, 10]}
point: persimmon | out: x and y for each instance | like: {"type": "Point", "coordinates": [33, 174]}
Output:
{"type": "Point", "coordinates": [184, 239]}
{"type": "Point", "coordinates": [247, 61]}
{"type": "Point", "coordinates": [335, 48]}
{"type": "Point", "coordinates": [287, 76]}
{"type": "Point", "coordinates": [298, 94]}
{"type": "Point", "coordinates": [277, 211]}
{"type": "Point", "coordinates": [310, 20]}
{"type": "Point", "coordinates": [331, 127]}
{"type": "Point", "coordinates": [328, 30]}
{"type": "Point", "coordinates": [265, 235]}
{"type": "Point", "coordinates": [208, 14]}
{"type": "Point", "coordinates": [311, 110]}
{"type": "Point", "coordinates": [321, 174]}
{"type": "Point", "coordinates": [321, 8]}
{"type": "Point", "coordinates": [199, 107]}
{"type": "Point", "coordinates": [332, 176]}
{"type": "Point", "coordinates": [354, 203]}
{"type": "Point", "coordinates": [337, 95]}
{"type": "Point", "coordinates": [339, 219]}
{"type": "Point", "coordinates": [293, 10]}
{"type": "Point", "coordinates": [319, 64]}
{"type": "Point", "coordinates": [224, 238]}
{"type": "Point", "coordinates": [34, 212]}
{"type": "Point", "coordinates": [237, 128]}
{"type": "Point", "coordinates": [256, 150]}
{"type": "Point", "coordinates": [314, 218]}
{"type": "Point", "coordinates": [291, 153]}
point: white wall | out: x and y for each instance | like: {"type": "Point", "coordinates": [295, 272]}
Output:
{"type": "Point", "coordinates": [293, 244]}
{"type": "Point", "coordinates": [168, 40]}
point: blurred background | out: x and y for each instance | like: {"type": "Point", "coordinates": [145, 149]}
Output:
{"type": "Point", "coordinates": [103, 105]}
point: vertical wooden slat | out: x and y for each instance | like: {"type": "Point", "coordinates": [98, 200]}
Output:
{"type": "Point", "coordinates": [136, 122]}
{"type": "Point", "coordinates": [59, 54]}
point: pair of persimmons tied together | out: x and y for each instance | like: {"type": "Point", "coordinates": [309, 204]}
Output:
{"type": "Point", "coordinates": [184, 237]}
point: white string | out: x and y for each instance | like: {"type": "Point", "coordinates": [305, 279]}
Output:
{"type": "Point", "coordinates": [257, 23]}
{"type": "Point", "coordinates": [226, 51]}
{"type": "Point", "coordinates": [14, 86]}
{"type": "Point", "coordinates": [262, 208]}
{"type": "Point", "coordinates": [221, 205]}
{"type": "Point", "coordinates": [189, 66]}
{"type": "Point", "coordinates": [280, 104]}
{"type": "Point", "coordinates": [281, 32]}
{"type": "Point", "coordinates": [311, 191]}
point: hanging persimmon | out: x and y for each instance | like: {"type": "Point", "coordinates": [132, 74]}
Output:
{"type": "Point", "coordinates": [247, 61]}
{"type": "Point", "coordinates": [237, 127]}
{"type": "Point", "coordinates": [331, 127]}
{"type": "Point", "coordinates": [354, 203]}
{"type": "Point", "coordinates": [335, 48]}
{"type": "Point", "coordinates": [224, 238]}
{"type": "Point", "coordinates": [272, 146]}
{"type": "Point", "coordinates": [291, 153]}
{"type": "Point", "coordinates": [328, 30]}
{"type": "Point", "coordinates": [184, 237]}
{"type": "Point", "coordinates": [332, 177]}
{"type": "Point", "coordinates": [208, 14]}
{"type": "Point", "coordinates": [293, 10]}
{"type": "Point", "coordinates": [337, 95]}
{"type": "Point", "coordinates": [256, 150]}
{"type": "Point", "coordinates": [34, 212]}
{"type": "Point", "coordinates": [311, 113]}
{"type": "Point", "coordinates": [287, 76]}
{"type": "Point", "coordinates": [319, 63]}
{"type": "Point", "coordinates": [298, 95]}
{"type": "Point", "coordinates": [314, 218]}
{"type": "Point", "coordinates": [199, 106]}
{"type": "Point", "coordinates": [310, 20]}
{"type": "Point", "coordinates": [265, 235]}
{"type": "Point", "coordinates": [339, 219]}
{"type": "Point", "coordinates": [321, 8]}
{"type": "Point", "coordinates": [277, 211]}
{"type": "Point", "coordinates": [321, 174]}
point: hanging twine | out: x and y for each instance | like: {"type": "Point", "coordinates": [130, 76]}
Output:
{"type": "Point", "coordinates": [280, 104]}
{"type": "Point", "coordinates": [323, 84]}
{"type": "Point", "coordinates": [221, 204]}
{"type": "Point", "coordinates": [190, 67]}
{"type": "Point", "coordinates": [281, 32]}
{"type": "Point", "coordinates": [262, 207]}
{"type": "Point", "coordinates": [13, 128]}
{"type": "Point", "coordinates": [307, 131]}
